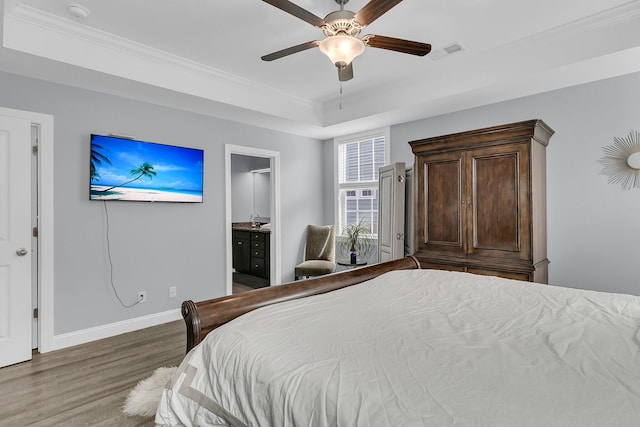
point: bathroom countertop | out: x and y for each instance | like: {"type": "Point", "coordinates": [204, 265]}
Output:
{"type": "Point", "coordinates": [245, 226]}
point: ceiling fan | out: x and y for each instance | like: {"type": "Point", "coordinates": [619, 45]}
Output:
{"type": "Point", "coordinates": [341, 28]}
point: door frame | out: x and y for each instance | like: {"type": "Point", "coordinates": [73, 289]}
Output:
{"type": "Point", "coordinates": [45, 266]}
{"type": "Point", "coordinates": [275, 241]}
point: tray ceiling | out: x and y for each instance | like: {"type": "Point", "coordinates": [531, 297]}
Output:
{"type": "Point", "coordinates": [204, 56]}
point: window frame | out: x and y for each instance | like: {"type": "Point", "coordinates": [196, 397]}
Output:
{"type": "Point", "coordinates": [337, 142]}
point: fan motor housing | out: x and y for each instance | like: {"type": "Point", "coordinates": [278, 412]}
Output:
{"type": "Point", "coordinates": [341, 21]}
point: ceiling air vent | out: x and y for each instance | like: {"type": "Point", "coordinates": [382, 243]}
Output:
{"type": "Point", "coordinates": [446, 51]}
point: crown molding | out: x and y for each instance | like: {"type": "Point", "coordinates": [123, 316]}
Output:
{"type": "Point", "coordinates": [593, 23]}
{"type": "Point", "coordinates": [26, 27]}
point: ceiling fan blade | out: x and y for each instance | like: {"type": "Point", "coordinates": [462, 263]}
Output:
{"type": "Point", "coordinates": [290, 50]}
{"type": "Point", "coordinates": [297, 11]}
{"type": "Point", "coordinates": [398, 45]}
{"type": "Point", "coordinates": [374, 10]}
{"type": "Point", "coordinates": [345, 73]}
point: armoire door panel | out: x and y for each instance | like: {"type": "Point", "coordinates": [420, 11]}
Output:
{"type": "Point", "coordinates": [495, 202]}
{"type": "Point", "coordinates": [500, 205]}
{"type": "Point", "coordinates": [442, 203]}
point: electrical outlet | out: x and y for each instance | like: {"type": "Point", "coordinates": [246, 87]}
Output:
{"type": "Point", "coordinates": [172, 292]}
{"type": "Point", "coordinates": [142, 296]}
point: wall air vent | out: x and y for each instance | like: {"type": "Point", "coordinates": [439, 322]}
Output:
{"type": "Point", "coordinates": [453, 48]}
{"type": "Point", "coordinates": [446, 51]}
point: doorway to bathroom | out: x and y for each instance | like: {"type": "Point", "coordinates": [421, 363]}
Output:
{"type": "Point", "coordinates": [252, 218]}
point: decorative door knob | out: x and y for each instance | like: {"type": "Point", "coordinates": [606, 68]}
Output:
{"type": "Point", "coordinates": [22, 252]}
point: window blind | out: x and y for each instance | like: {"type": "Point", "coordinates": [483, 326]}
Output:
{"type": "Point", "coordinates": [358, 163]}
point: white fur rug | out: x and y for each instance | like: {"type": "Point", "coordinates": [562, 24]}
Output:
{"type": "Point", "coordinates": [144, 398]}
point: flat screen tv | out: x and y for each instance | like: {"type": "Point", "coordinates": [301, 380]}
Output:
{"type": "Point", "coordinates": [132, 170]}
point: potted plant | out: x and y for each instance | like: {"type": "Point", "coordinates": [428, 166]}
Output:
{"type": "Point", "coordinates": [356, 240]}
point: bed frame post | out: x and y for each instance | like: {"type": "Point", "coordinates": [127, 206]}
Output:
{"type": "Point", "coordinates": [192, 321]}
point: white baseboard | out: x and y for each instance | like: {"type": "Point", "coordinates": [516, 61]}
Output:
{"type": "Point", "coordinates": [112, 329]}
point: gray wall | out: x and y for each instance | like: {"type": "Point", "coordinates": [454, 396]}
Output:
{"type": "Point", "coordinates": [157, 245]}
{"type": "Point", "coordinates": [592, 225]}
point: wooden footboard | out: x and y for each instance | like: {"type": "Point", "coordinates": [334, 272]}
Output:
{"type": "Point", "coordinates": [204, 316]}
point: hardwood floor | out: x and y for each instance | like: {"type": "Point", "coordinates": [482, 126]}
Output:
{"type": "Point", "coordinates": [86, 385]}
{"type": "Point", "coordinates": [250, 281]}
{"type": "Point", "coordinates": [239, 288]}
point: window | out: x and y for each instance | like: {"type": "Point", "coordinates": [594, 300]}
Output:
{"type": "Point", "coordinates": [358, 160]}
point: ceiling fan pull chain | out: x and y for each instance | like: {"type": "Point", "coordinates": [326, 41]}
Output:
{"type": "Point", "coordinates": [340, 105]}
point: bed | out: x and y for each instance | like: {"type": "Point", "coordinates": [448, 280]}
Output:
{"type": "Point", "coordinates": [395, 345]}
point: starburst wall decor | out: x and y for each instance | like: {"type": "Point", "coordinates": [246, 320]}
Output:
{"type": "Point", "coordinates": [621, 162]}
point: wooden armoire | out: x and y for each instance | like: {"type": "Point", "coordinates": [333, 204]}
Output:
{"type": "Point", "coordinates": [481, 201]}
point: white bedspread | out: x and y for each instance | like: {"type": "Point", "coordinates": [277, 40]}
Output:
{"type": "Point", "coordinates": [419, 348]}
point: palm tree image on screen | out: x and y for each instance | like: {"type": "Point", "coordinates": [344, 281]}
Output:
{"type": "Point", "coordinates": [144, 169]}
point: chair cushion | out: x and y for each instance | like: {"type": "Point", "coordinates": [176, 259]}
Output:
{"type": "Point", "coordinates": [321, 243]}
{"type": "Point", "coordinates": [315, 268]}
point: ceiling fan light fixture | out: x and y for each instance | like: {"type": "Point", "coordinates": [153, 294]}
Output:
{"type": "Point", "coordinates": [341, 48]}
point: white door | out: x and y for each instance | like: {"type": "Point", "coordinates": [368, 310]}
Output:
{"type": "Point", "coordinates": [391, 193]}
{"type": "Point", "coordinates": [35, 136]}
{"type": "Point", "coordinates": [15, 241]}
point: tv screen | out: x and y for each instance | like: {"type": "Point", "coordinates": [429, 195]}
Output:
{"type": "Point", "coordinates": [131, 170]}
